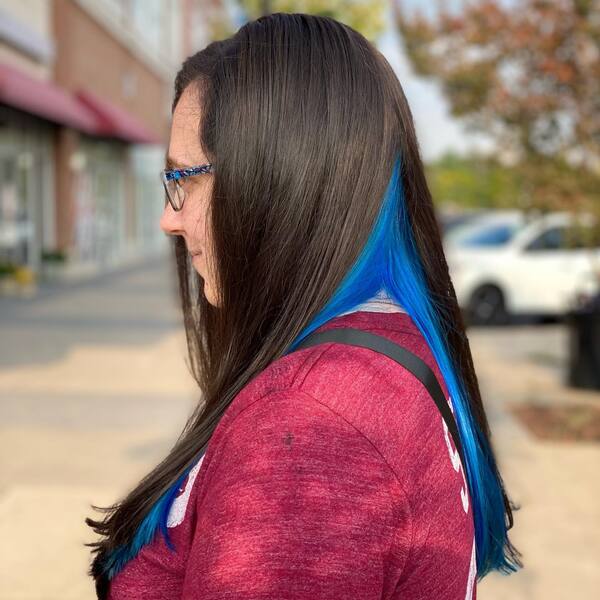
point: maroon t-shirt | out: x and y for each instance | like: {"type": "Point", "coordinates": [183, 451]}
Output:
{"type": "Point", "coordinates": [331, 475]}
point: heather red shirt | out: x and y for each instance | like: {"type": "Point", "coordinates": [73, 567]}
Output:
{"type": "Point", "coordinates": [331, 475]}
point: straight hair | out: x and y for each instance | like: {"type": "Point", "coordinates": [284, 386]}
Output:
{"type": "Point", "coordinates": [319, 201]}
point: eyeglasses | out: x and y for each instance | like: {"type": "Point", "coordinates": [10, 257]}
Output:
{"type": "Point", "coordinates": [171, 179]}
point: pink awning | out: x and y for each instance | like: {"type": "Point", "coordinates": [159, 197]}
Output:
{"type": "Point", "coordinates": [43, 99]}
{"type": "Point", "coordinates": [116, 122]}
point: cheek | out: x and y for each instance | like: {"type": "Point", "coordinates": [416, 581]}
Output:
{"type": "Point", "coordinates": [195, 225]}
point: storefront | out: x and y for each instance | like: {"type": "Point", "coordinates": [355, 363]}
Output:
{"type": "Point", "coordinates": [99, 222]}
{"type": "Point", "coordinates": [32, 112]}
{"type": "Point", "coordinates": [78, 177]}
{"type": "Point", "coordinates": [26, 183]}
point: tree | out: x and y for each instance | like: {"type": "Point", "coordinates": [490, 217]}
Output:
{"type": "Point", "coordinates": [529, 77]}
{"type": "Point", "coordinates": [366, 16]}
{"type": "Point", "coordinates": [472, 182]}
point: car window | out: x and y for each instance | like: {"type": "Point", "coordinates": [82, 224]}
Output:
{"type": "Point", "coordinates": [558, 238]}
{"type": "Point", "coordinates": [551, 239]}
{"type": "Point", "coordinates": [492, 234]}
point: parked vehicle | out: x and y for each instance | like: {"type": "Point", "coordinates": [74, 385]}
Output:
{"type": "Point", "coordinates": [449, 220]}
{"type": "Point", "coordinates": [509, 262]}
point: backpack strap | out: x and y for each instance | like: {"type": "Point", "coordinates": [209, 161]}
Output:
{"type": "Point", "coordinates": [409, 360]}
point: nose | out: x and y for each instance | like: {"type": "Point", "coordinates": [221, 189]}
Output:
{"type": "Point", "coordinates": [170, 220]}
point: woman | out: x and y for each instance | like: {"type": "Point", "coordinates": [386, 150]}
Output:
{"type": "Point", "coordinates": [300, 205]}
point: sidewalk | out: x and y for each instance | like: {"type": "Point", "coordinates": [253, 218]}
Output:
{"type": "Point", "coordinates": [557, 484]}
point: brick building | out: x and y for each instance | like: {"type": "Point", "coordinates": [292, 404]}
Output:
{"type": "Point", "coordinates": [85, 94]}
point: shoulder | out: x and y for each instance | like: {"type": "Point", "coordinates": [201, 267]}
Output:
{"type": "Point", "coordinates": [378, 395]}
{"type": "Point", "coordinates": [290, 428]}
{"type": "Point", "coordinates": [287, 437]}
{"type": "Point", "coordinates": [340, 397]}
{"type": "Point", "coordinates": [386, 402]}
{"type": "Point", "coordinates": [335, 373]}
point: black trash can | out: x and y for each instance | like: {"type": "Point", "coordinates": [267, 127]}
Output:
{"type": "Point", "coordinates": [584, 345]}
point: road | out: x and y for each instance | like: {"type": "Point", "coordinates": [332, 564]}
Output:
{"type": "Point", "coordinates": [94, 388]}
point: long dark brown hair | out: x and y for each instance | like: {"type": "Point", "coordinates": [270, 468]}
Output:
{"type": "Point", "coordinates": [303, 120]}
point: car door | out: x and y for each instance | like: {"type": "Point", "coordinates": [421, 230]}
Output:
{"type": "Point", "coordinates": [544, 273]}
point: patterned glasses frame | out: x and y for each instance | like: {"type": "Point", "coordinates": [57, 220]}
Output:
{"type": "Point", "coordinates": [171, 181]}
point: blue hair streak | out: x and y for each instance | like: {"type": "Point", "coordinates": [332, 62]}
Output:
{"type": "Point", "coordinates": [390, 261]}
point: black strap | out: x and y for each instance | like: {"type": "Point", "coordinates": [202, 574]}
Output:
{"type": "Point", "coordinates": [410, 361]}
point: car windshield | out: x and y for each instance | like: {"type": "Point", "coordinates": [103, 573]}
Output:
{"type": "Point", "coordinates": [495, 233]}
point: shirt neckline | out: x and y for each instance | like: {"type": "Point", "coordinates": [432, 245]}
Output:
{"type": "Point", "coordinates": [380, 302]}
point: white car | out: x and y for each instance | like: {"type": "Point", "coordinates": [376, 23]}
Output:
{"type": "Point", "coordinates": [507, 262]}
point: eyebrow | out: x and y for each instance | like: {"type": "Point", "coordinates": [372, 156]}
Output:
{"type": "Point", "coordinates": [171, 163]}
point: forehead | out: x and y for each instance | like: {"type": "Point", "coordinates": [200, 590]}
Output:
{"type": "Point", "coordinates": [184, 141]}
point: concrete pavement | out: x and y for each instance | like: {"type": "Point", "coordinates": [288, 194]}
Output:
{"type": "Point", "coordinates": [93, 389]}
{"type": "Point", "coordinates": [556, 483]}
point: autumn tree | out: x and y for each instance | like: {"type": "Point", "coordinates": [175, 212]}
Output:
{"type": "Point", "coordinates": [528, 75]}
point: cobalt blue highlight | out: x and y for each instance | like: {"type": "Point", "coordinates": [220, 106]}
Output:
{"type": "Point", "coordinates": [390, 261]}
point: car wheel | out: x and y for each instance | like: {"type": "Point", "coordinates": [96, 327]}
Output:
{"type": "Point", "coordinates": [487, 306]}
